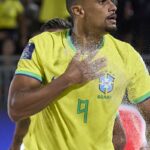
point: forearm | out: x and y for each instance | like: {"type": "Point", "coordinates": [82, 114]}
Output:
{"type": "Point", "coordinates": [27, 96]}
{"type": "Point", "coordinates": [147, 120]}
{"type": "Point", "coordinates": [21, 130]}
{"type": "Point", "coordinates": [30, 101]}
{"type": "Point", "coordinates": [119, 142]}
{"type": "Point", "coordinates": [119, 138]}
{"type": "Point", "coordinates": [145, 110]}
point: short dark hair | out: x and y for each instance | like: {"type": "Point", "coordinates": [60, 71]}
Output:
{"type": "Point", "coordinates": [56, 23]}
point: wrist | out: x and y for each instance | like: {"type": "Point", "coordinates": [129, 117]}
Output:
{"type": "Point", "coordinates": [68, 82]}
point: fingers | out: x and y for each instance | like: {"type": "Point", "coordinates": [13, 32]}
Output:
{"type": "Point", "coordinates": [94, 76]}
{"type": "Point", "coordinates": [93, 70]}
{"type": "Point", "coordinates": [98, 64]}
{"type": "Point", "coordinates": [91, 55]}
{"type": "Point", "coordinates": [98, 75]}
{"type": "Point", "coordinates": [88, 68]}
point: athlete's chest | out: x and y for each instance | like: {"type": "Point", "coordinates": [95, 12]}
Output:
{"type": "Point", "coordinates": [100, 96]}
{"type": "Point", "coordinates": [112, 81]}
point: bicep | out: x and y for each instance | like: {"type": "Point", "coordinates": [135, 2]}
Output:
{"type": "Point", "coordinates": [144, 107]}
{"type": "Point", "coordinates": [22, 83]}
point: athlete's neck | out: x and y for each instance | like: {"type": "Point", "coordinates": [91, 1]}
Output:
{"type": "Point", "coordinates": [86, 41]}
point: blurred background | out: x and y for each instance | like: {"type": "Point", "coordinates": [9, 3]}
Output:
{"type": "Point", "coordinates": [22, 19]}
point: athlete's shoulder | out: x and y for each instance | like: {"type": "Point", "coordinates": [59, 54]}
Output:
{"type": "Point", "coordinates": [47, 43]}
{"type": "Point", "coordinates": [43, 36]}
{"type": "Point", "coordinates": [116, 41]}
{"type": "Point", "coordinates": [123, 47]}
{"type": "Point", "coordinates": [48, 36]}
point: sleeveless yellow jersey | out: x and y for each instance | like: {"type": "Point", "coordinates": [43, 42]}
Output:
{"type": "Point", "coordinates": [82, 117]}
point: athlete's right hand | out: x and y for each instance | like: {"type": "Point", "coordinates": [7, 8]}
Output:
{"type": "Point", "coordinates": [81, 71]}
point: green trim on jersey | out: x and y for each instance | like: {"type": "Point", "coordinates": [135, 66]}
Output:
{"type": "Point", "coordinates": [70, 41]}
{"type": "Point", "coordinates": [142, 98]}
{"type": "Point", "coordinates": [30, 74]}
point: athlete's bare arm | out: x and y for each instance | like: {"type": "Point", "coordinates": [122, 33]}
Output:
{"type": "Point", "coordinates": [144, 107]}
{"type": "Point", "coordinates": [19, 133]}
{"type": "Point", "coordinates": [119, 138]}
{"type": "Point", "coordinates": [27, 96]}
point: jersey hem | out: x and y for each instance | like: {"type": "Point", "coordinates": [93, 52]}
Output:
{"type": "Point", "coordinates": [142, 98]}
{"type": "Point", "coordinates": [29, 74]}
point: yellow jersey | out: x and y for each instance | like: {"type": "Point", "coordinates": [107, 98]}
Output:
{"type": "Point", "coordinates": [82, 117]}
{"type": "Point", "coordinates": [53, 9]}
{"type": "Point", "coordinates": [9, 11]}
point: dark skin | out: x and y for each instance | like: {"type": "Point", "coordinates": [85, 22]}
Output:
{"type": "Point", "coordinates": [25, 93]}
{"type": "Point", "coordinates": [23, 88]}
{"type": "Point", "coordinates": [119, 138]}
{"type": "Point", "coordinates": [23, 125]}
{"type": "Point", "coordinates": [78, 72]}
{"type": "Point", "coordinates": [21, 129]}
{"type": "Point", "coordinates": [95, 29]}
{"type": "Point", "coordinates": [144, 107]}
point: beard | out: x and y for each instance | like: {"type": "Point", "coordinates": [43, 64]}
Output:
{"type": "Point", "coordinates": [111, 29]}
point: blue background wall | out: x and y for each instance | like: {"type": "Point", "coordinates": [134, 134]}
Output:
{"type": "Point", "coordinates": [6, 130]}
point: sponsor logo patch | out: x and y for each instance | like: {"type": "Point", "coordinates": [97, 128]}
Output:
{"type": "Point", "coordinates": [27, 52]}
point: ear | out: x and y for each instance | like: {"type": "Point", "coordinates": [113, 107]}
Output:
{"type": "Point", "coordinates": [77, 10]}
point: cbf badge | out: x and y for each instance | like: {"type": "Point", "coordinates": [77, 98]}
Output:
{"type": "Point", "coordinates": [27, 52]}
{"type": "Point", "coordinates": [106, 83]}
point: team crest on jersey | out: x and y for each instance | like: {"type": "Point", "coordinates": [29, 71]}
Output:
{"type": "Point", "coordinates": [106, 83]}
{"type": "Point", "coordinates": [27, 52]}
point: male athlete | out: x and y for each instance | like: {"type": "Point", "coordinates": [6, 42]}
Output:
{"type": "Point", "coordinates": [23, 125]}
{"type": "Point", "coordinates": [70, 85]}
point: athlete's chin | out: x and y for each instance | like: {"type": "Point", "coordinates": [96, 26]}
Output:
{"type": "Point", "coordinates": [112, 28]}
